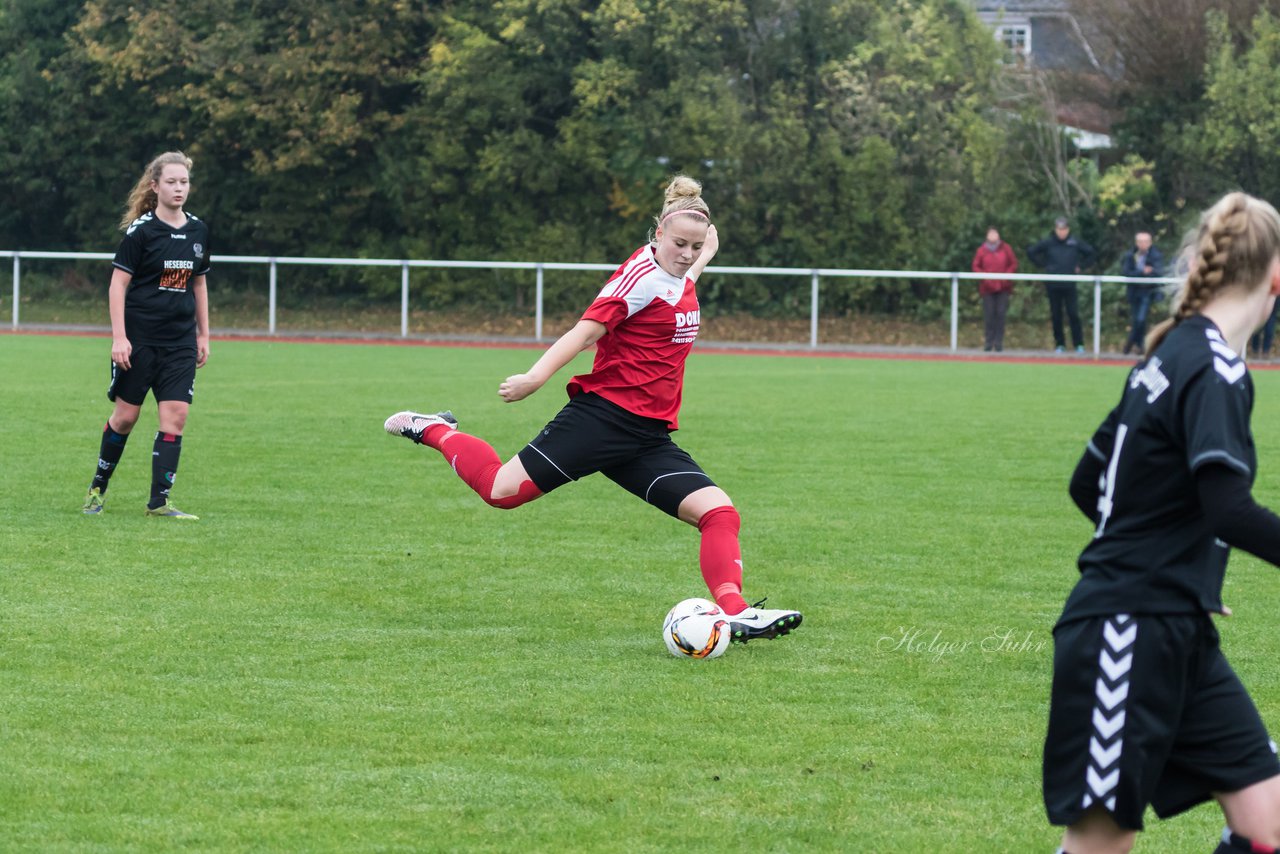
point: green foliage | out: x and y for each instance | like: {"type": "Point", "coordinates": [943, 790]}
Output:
{"type": "Point", "coordinates": [1242, 94]}
{"type": "Point", "coordinates": [48, 118]}
{"type": "Point", "coordinates": [850, 133]}
{"type": "Point", "coordinates": [1125, 188]}
{"type": "Point", "coordinates": [1213, 132]}
{"type": "Point", "coordinates": [1127, 202]}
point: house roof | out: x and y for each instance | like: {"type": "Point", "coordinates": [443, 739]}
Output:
{"type": "Point", "coordinates": [1025, 7]}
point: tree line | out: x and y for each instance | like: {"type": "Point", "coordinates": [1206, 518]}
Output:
{"type": "Point", "coordinates": [835, 133]}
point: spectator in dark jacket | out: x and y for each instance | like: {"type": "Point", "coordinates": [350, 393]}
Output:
{"type": "Point", "coordinates": [1062, 254]}
{"type": "Point", "coordinates": [1143, 261]}
{"type": "Point", "coordinates": [1261, 341]}
{"type": "Point", "coordinates": [994, 256]}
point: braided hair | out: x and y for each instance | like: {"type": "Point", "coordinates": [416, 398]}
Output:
{"type": "Point", "coordinates": [1234, 246]}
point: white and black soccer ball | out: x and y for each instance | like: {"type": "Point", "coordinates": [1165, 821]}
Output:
{"type": "Point", "coordinates": [696, 628]}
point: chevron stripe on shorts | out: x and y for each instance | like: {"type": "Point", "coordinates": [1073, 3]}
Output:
{"type": "Point", "coordinates": [1111, 694]}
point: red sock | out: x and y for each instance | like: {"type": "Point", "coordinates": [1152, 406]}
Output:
{"type": "Point", "coordinates": [432, 435]}
{"type": "Point", "coordinates": [720, 557]}
{"type": "Point", "coordinates": [477, 463]}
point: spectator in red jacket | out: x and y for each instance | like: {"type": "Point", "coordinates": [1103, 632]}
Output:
{"type": "Point", "coordinates": [994, 256]}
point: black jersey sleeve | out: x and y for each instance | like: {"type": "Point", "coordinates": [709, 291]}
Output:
{"type": "Point", "coordinates": [1104, 438]}
{"type": "Point", "coordinates": [129, 253]}
{"type": "Point", "coordinates": [1084, 486]}
{"type": "Point", "coordinates": [1233, 515]}
{"type": "Point", "coordinates": [1216, 406]}
{"type": "Point", "coordinates": [203, 253]}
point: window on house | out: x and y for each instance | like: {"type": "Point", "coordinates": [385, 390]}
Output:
{"type": "Point", "coordinates": [1016, 39]}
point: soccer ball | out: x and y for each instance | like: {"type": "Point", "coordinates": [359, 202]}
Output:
{"type": "Point", "coordinates": [696, 628]}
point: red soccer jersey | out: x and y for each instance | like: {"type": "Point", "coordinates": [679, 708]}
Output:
{"type": "Point", "coordinates": [652, 321]}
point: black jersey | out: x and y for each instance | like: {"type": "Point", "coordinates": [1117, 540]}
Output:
{"type": "Point", "coordinates": [1153, 552]}
{"type": "Point", "coordinates": [159, 307]}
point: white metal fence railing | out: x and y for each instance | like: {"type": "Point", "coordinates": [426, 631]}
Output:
{"type": "Point", "coordinates": [814, 275]}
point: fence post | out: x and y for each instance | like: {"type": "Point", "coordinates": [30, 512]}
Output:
{"type": "Point", "coordinates": [537, 307]}
{"type": "Point", "coordinates": [813, 311]}
{"type": "Point", "coordinates": [271, 300]}
{"type": "Point", "coordinates": [955, 311]}
{"type": "Point", "coordinates": [17, 290]}
{"type": "Point", "coordinates": [1097, 316]}
{"type": "Point", "coordinates": [404, 299]}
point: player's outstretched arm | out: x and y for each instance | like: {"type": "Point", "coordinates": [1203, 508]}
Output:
{"type": "Point", "coordinates": [559, 354]}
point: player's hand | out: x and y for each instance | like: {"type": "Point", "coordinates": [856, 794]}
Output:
{"type": "Point", "coordinates": [1225, 612]}
{"type": "Point", "coordinates": [710, 244]}
{"type": "Point", "coordinates": [518, 387]}
{"type": "Point", "coordinates": [202, 350]}
{"type": "Point", "coordinates": [121, 350]}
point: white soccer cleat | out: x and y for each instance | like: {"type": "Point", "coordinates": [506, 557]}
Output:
{"type": "Point", "coordinates": [411, 425]}
{"type": "Point", "coordinates": [766, 623]}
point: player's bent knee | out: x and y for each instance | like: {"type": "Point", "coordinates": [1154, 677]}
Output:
{"type": "Point", "coordinates": [124, 417]}
{"type": "Point", "coordinates": [697, 504]}
{"type": "Point", "coordinates": [173, 418]}
{"type": "Point", "coordinates": [509, 479]}
{"type": "Point", "coordinates": [527, 492]}
{"type": "Point", "coordinates": [1254, 812]}
{"type": "Point", "coordinates": [725, 517]}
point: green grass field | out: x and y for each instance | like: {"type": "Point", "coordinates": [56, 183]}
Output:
{"type": "Point", "coordinates": [350, 652]}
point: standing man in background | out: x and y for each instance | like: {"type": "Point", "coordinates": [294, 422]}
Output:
{"type": "Point", "coordinates": [1063, 255]}
{"type": "Point", "coordinates": [1143, 261]}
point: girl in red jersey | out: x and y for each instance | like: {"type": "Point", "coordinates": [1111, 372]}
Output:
{"type": "Point", "coordinates": [620, 416]}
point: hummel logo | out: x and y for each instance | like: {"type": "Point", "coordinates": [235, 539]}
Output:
{"type": "Point", "coordinates": [1230, 373]}
{"type": "Point", "coordinates": [178, 236]}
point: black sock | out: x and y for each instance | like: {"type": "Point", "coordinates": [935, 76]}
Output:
{"type": "Point", "coordinates": [164, 467]}
{"type": "Point", "coordinates": [108, 457]}
{"type": "Point", "coordinates": [1232, 843]}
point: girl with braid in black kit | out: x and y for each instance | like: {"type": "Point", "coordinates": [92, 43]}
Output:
{"type": "Point", "coordinates": [159, 303]}
{"type": "Point", "coordinates": [1145, 709]}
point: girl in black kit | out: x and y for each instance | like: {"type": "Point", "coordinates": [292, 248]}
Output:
{"type": "Point", "coordinates": [1145, 708]}
{"type": "Point", "coordinates": [159, 305]}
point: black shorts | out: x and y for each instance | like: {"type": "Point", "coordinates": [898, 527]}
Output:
{"type": "Point", "coordinates": [1146, 710]}
{"type": "Point", "coordinates": [593, 435]}
{"type": "Point", "coordinates": [169, 373]}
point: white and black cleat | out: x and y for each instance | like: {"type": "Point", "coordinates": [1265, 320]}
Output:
{"type": "Point", "coordinates": [762, 623]}
{"type": "Point", "coordinates": [412, 425]}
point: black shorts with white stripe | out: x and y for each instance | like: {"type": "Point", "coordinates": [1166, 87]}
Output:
{"type": "Point", "coordinates": [591, 435]}
{"type": "Point", "coordinates": [169, 373]}
{"type": "Point", "coordinates": [1146, 710]}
